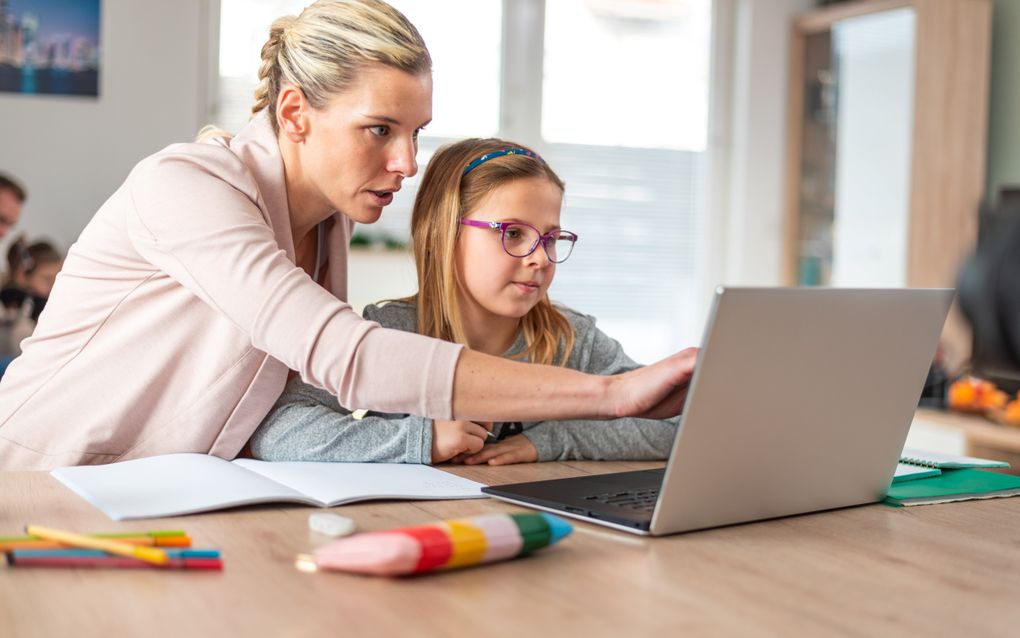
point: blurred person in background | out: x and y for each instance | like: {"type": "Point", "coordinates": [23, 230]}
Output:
{"type": "Point", "coordinates": [32, 270]}
{"type": "Point", "coordinates": [12, 198]}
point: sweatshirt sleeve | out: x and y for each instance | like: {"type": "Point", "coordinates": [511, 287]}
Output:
{"type": "Point", "coordinates": [628, 439]}
{"type": "Point", "coordinates": [196, 219]}
{"type": "Point", "coordinates": [616, 440]}
{"type": "Point", "coordinates": [307, 424]}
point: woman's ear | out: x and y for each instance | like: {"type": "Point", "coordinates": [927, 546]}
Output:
{"type": "Point", "coordinates": [292, 113]}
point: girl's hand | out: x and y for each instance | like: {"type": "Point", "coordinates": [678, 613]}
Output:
{"type": "Point", "coordinates": [514, 449]}
{"type": "Point", "coordinates": [657, 391]}
{"type": "Point", "coordinates": [450, 438]}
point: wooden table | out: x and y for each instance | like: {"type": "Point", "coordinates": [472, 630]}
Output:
{"type": "Point", "coordinates": [949, 569]}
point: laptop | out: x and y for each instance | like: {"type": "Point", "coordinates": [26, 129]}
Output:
{"type": "Point", "coordinates": [800, 402]}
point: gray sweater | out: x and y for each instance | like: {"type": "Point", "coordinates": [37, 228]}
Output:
{"type": "Point", "coordinates": [308, 424]}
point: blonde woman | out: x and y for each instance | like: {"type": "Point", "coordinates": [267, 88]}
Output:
{"type": "Point", "coordinates": [487, 241]}
{"type": "Point", "coordinates": [218, 267]}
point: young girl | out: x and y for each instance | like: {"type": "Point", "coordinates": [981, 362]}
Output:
{"type": "Point", "coordinates": [32, 269]}
{"type": "Point", "coordinates": [487, 239]}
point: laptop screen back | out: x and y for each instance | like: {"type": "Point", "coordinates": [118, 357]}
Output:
{"type": "Point", "coordinates": [801, 402]}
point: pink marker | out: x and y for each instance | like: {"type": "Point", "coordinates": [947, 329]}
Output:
{"type": "Point", "coordinates": [442, 545]}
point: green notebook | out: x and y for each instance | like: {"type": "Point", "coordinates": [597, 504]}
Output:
{"type": "Point", "coordinates": [953, 485]}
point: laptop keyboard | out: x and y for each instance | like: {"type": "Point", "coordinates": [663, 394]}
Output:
{"type": "Point", "coordinates": [640, 500]}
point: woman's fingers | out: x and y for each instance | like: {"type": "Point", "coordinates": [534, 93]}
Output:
{"type": "Point", "coordinates": [657, 391]}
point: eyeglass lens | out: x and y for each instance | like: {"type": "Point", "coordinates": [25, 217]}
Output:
{"type": "Point", "coordinates": [520, 241]}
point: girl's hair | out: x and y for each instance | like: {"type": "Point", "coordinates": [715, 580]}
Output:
{"type": "Point", "coordinates": [321, 50]}
{"type": "Point", "coordinates": [444, 197]}
{"type": "Point", "coordinates": [41, 253]}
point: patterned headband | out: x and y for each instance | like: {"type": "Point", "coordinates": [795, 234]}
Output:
{"type": "Point", "coordinates": [494, 154]}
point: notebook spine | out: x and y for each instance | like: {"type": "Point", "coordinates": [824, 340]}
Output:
{"type": "Point", "coordinates": [920, 462]}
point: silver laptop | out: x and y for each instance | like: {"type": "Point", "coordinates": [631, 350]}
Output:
{"type": "Point", "coordinates": [801, 401]}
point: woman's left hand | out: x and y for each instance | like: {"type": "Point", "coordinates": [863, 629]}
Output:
{"type": "Point", "coordinates": [514, 449]}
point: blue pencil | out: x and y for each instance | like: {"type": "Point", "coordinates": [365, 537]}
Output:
{"type": "Point", "coordinates": [98, 553]}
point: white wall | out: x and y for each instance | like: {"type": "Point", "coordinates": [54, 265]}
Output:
{"type": "Point", "coordinates": [875, 103]}
{"type": "Point", "coordinates": [748, 139]}
{"type": "Point", "coordinates": [71, 153]}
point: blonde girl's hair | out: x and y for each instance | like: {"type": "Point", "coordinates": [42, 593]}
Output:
{"type": "Point", "coordinates": [321, 51]}
{"type": "Point", "coordinates": [444, 197]}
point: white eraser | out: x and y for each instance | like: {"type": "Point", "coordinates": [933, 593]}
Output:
{"type": "Point", "coordinates": [330, 524]}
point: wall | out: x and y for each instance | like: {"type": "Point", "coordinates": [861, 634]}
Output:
{"type": "Point", "coordinates": [748, 139]}
{"type": "Point", "coordinates": [1003, 123]}
{"type": "Point", "coordinates": [71, 153]}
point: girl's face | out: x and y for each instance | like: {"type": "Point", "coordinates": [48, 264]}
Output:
{"type": "Point", "coordinates": [363, 143]}
{"type": "Point", "coordinates": [495, 286]}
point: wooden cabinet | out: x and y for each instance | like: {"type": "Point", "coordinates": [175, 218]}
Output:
{"type": "Point", "coordinates": [886, 163]}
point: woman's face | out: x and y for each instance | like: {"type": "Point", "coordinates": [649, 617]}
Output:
{"type": "Point", "coordinates": [362, 144]}
{"type": "Point", "coordinates": [495, 285]}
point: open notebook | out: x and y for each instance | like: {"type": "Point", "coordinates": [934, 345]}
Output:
{"type": "Point", "coordinates": [175, 484]}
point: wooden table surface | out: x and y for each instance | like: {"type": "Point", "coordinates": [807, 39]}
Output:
{"type": "Point", "coordinates": [950, 569]}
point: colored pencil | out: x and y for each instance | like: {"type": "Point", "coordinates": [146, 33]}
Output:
{"type": "Point", "coordinates": [7, 543]}
{"type": "Point", "coordinates": [98, 553]}
{"type": "Point", "coordinates": [152, 555]}
{"type": "Point", "coordinates": [159, 533]}
{"type": "Point", "coordinates": [118, 562]}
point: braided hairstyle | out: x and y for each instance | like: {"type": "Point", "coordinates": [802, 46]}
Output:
{"type": "Point", "coordinates": [321, 50]}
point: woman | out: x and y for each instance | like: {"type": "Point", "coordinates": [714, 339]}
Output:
{"type": "Point", "coordinates": [218, 266]}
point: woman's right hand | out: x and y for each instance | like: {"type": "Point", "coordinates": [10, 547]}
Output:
{"type": "Point", "coordinates": [450, 438]}
{"type": "Point", "coordinates": [658, 391]}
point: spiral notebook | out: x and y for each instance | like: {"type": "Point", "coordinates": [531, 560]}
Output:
{"type": "Point", "coordinates": [910, 472]}
{"type": "Point", "coordinates": [918, 464]}
{"type": "Point", "coordinates": [946, 461]}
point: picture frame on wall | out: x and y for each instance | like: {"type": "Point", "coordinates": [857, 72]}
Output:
{"type": "Point", "coordinates": [50, 47]}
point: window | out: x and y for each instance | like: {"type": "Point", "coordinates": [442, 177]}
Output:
{"type": "Point", "coordinates": [624, 118]}
{"type": "Point", "coordinates": [614, 95]}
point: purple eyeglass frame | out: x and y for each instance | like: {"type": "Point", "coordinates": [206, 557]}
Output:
{"type": "Point", "coordinates": [542, 238]}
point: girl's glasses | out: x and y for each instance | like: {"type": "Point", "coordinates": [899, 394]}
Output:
{"type": "Point", "coordinates": [520, 239]}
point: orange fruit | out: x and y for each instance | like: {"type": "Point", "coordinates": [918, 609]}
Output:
{"type": "Point", "coordinates": [963, 395]}
{"type": "Point", "coordinates": [1012, 413]}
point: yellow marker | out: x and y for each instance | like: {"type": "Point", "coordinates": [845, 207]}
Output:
{"type": "Point", "coordinates": [148, 554]}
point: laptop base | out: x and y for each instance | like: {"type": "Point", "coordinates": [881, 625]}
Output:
{"type": "Point", "coordinates": [597, 498]}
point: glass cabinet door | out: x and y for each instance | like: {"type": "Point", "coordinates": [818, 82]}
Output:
{"type": "Point", "coordinates": [856, 137]}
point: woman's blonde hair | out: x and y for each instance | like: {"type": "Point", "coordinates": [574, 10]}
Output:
{"type": "Point", "coordinates": [444, 197]}
{"type": "Point", "coordinates": [321, 50]}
